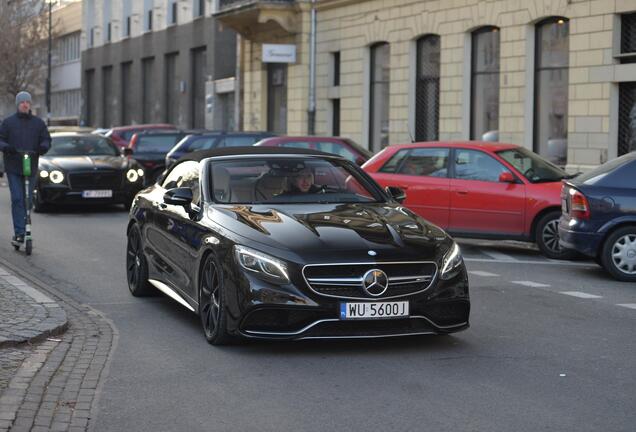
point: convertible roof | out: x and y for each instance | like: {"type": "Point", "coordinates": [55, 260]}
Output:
{"type": "Point", "coordinates": [241, 151]}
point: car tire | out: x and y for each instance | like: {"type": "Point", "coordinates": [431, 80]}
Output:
{"type": "Point", "coordinates": [619, 254]}
{"type": "Point", "coordinates": [136, 266]}
{"type": "Point", "coordinates": [547, 236]}
{"type": "Point", "coordinates": [212, 303]}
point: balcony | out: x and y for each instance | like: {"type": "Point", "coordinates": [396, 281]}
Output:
{"type": "Point", "coordinates": [259, 20]}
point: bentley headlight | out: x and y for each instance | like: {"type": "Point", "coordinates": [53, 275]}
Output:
{"type": "Point", "coordinates": [44, 174]}
{"type": "Point", "coordinates": [265, 266]}
{"type": "Point", "coordinates": [56, 176]}
{"type": "Point", "coordinates": [140, 172]}
{"type": "Point", "coordinates": [452, 262]}
{"type": "Point", "coordinates": [132, 175]}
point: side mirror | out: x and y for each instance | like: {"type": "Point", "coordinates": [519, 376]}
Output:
{"type": "Point", "coordinates": [506, 177]}
{"type": "Point", "coordinates": [396, 193]}
{"type": "Point", "coordinates": [179, 196]}
{"type": "Point", "coordinates": [126, 151]}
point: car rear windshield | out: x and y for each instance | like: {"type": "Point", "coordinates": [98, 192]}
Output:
{"type": "Point", "coordinates": [617, 172]}
{"type": "Point", "coordinates": [532, 166]}
{"type": "Point", "coordinates": [82, 146]}
{"type": "Point", "coordinates": [267, 180]}
{"type": "Point", "coordinates": [156, 143]}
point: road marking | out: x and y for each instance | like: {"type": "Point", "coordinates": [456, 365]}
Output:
{"type": "Point", "coordinates": [628, 305]}
{"type": "Point", "coordinates": [561, 263]}
{"type": "Point", "coordinates": [498, 255]}
{"type": "Point", "coordinates": [483, 273]}
{"type": "Point", "coordinates": [581, 294]}
{"type": "Point", "coordinates": [531, 284]}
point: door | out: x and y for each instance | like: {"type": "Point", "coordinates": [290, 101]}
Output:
{"type": "Point", "coordinates": [479, 203]}
{"type": "Point", "coordinates": [423, 174]}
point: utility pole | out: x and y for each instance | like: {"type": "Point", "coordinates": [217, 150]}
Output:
{"type": "Point", "coordinates": [48, 71]}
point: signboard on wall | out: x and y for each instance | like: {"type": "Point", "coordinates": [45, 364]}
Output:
{"type": "Point", "coordinates": [278, 53]}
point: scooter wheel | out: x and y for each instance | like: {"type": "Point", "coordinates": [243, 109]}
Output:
{"type": "Point", "coordinates": [28, 247]}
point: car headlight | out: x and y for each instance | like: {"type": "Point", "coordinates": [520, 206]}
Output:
{"type": "Point", "coordinates": [452, 262]}
{"type": "Point", "coordinates": [265, 266]}
{"type": "Point", "coordinates": [132, 175]}
{"type": "Point", "coordinates": [140, 172]}
{"type": "Point", "coordinates": [44, 174]}
{"type": "Point", "coordinates": [56, 176]}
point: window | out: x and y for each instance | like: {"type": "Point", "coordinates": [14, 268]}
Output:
{"type": "Point", "coordinates": [551, 90]}
{"type": "Point", "coordinates": [379, 109]}
{"type": "Point", "coordinates": [484, 82]}
{"type": "Point", "coordinates": [394, 162]}
{"type": "Point", "coordinates": [628, 38]}
{"type": "Point", "coordinates": [67, 48]}
{"type": "Point", "coordinates": [126, 12]}
{"type": "Point", "coordinates": [172, 12]}
{"type": "Point", "coordinates": [148, 4]}
{"type": "Point", "coordinates": [336, 68]}
{"type": "Point", "coordinates": [107, 7]}
{"type": "Point", "coordinates": [186, 174]}
{"type": "Point", "coordinates": [277, 98]}
{"type": "Point", "coordinates": [626, 117]}
{"type": "Point", "coordinates": [198, 8]}
{"type": "Point", "coordinates": [335, 117]}
{"type": "Point", "coordinates": [427, 88]}
{"type": "Point", "coordinates": [477, 165]}
{"type": "Point", "coordinates": [336, 148]}
{"type": "Point", "coordinates": [431, 162]}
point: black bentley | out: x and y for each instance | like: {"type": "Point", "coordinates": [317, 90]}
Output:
{"type": "Point", "coordinates": [226, 234]}
{"type": "Point", "coordinates": [81, 168]}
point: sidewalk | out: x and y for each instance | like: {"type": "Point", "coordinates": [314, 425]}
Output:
{"type": "Point", "coordinates": [54, 356]}
{"type": "Point", "coordinates": [26, 315]}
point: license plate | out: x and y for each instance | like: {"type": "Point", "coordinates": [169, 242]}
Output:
{"type": "Point", "coordinates": [374, 310]}
{"type": "Point", "coordinates": [97, 194]}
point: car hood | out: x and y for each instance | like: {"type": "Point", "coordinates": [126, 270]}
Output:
{"type": "Point", "coordinates": [79, 163]}
{"type": "Point", "coordinates": [352, 230]}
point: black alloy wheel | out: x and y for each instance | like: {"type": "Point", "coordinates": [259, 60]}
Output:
{"type": "Point", "coordinates": [547, 236]}
{"type": "Point", "coordinates": [136, 268]}
{"type": "Point", "coordinates": [619, 254]}
{"type": "Point", "coordinates": [212, 303]}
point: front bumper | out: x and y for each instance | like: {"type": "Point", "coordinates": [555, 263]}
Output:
{"type": "Point", "coordinates": [266, 312]}
{"type": "Point", "coordinates": [62, 194]}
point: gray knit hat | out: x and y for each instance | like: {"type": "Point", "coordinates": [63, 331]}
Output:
{"type": "Point", "coordinates": [22, 97]}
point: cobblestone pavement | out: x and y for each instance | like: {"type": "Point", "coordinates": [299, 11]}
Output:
{"type": "Point", "coordinates": [53, 385]}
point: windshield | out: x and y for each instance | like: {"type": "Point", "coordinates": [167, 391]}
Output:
{"type": "Point", "coordinates": [268, 180]}
{"type": "Point", "coordinates": [82, 146]}
{"type": "Point", "coordinates": [532, 166]}
{"type": "Point", "coordinates": [159, 143]}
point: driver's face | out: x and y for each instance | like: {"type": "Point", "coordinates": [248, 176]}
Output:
{"type": "Point", "coordinates": [303, 181]}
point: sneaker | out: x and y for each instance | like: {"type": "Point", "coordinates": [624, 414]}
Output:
{"type": "Point", "coordinates": [17, 239]}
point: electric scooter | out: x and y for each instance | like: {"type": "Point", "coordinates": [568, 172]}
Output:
{"type": "Point", "coordinates": [27, 241]}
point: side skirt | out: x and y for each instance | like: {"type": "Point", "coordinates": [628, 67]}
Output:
{"type": "Point", "coordinates": [170, 293]}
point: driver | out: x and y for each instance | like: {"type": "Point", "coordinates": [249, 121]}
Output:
{"type": "Point", "coordinates": [302, 182]}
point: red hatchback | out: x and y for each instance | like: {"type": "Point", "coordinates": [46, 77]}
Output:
{"type": "Point", "coordinates": [478, 189]}
{"type": "Point", "coordinates": [336, 145]}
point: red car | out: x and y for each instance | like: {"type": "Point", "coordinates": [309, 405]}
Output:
{"type": "Point", "coordinates": [478, 189]}
{"type": "Point", "coordinates": [340, 146]}
{"type": "Point", "coordinates": [121, 135]}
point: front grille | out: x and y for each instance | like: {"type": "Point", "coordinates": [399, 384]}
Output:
{"type": "Point", "coordinates": [95, 180]}
{"type": "Point", "coordinates": [346, 280]}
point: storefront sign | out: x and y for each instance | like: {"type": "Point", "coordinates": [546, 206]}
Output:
{"type": "Point", "coordinates": [276, 53]}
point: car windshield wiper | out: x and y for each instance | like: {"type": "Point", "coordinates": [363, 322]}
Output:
{"type": "Point", "coordinates": [571, 176]}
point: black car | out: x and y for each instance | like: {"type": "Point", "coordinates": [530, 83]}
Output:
{"type": "Point", "coordinates": [214, 139]}
{"type": "Point", "coordinates": [82, 168]}
{"type": "Point", "coordinates": [599, 216]}
{"type": "Point", "coordinates": [223, 235]}
{"type": "Point", "coordinates": [149, 148]}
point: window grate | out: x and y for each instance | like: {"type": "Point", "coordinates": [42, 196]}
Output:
{"type": "Point", "coordinates": [627, 118]}
{"type": "Point", "coordinates": [628, 33]}
{"type": "Point", "coordinates": [427, 89]}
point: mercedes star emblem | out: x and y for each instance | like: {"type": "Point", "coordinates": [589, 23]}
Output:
{"type": "Point", "coordinates": [375, 282]}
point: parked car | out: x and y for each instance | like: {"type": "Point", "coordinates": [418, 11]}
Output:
{"type": "Point", "coordinates": [121, 135]}
{"type": "Point", "coordinates": [221, 236]}
{"type": "Point", "coordinates": [149, 148]}
{"type": "Point", "coordinates": [82, 168]}
{"type": "Point", "coordinates": [599, 216]}
{"type": "Point", "coordinates": [344, 147]}
{"type": "Point", "coordinates": [478, 189]}
{"type": "Point", "coordinates": [214, 139]}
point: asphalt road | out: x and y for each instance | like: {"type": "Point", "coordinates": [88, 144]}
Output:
{"type": "Point", "coordinates": [550, 348]}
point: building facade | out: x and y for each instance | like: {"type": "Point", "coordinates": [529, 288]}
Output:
{"type": "Point", "coordinates": [557, 76]}
{"type": "Point", "coordinates": [157, 61]}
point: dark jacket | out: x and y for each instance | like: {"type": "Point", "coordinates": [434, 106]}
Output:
{"type": "Point", "coordinates": [24, 132]}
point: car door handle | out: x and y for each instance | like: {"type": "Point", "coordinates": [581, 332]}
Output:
{"type": "Point", "coordinates": [157, 204]}
{"type": "Point", "coordinates": [462, 192]}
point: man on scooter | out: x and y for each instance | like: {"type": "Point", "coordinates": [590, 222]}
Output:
{"type": "Point", "coordinates": [19, 133]}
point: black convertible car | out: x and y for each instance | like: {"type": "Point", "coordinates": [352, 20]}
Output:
{"type": "Point", "coordinates": [224, 234]}
{"type": "Point", "coordinates": [82, 168]}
